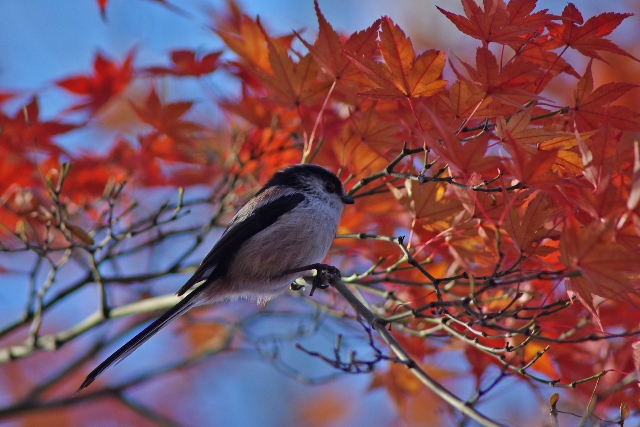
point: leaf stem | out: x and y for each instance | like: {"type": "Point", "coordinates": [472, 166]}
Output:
{"type": "Point", "coordinates": [309, 144]}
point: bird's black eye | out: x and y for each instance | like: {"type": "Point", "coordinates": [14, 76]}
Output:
{"type": "Point", "coordinates": [330, 187]}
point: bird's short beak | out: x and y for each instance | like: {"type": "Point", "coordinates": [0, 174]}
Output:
{"type": "Point", "coordinates": [347, 200]}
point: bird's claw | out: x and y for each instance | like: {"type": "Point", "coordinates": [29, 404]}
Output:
{"type": "Point", "coordinates": [325, 276]}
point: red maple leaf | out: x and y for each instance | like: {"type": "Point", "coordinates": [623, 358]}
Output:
{"type": "Point", "coordinates": [511, 84]}
{"type": "Point", "coordinates": [102, 4]}
{"type": "Point", "coordinates": [167, 119]}
{"type": "Point", "coordinates": [591, 105]}
{"type": "Point", "coordinates": [532, 169]}
{"type": "Point", "coordinates": [538, 51]}
{"type": "Point", "coordinates": [187, 63]}
{"type": "Point", "coordinates": [5, 96]}
{"type": "Point", "coordinates": [499, 22]}
{"type": "Point", "coordinates": [525, 224]}
{"type": "Point", "coordinates": [255, 110]}
{"type": "Point", "coordinates": [588, 38]}
{"type": "Point", "coordinates": [327, 50]}
{"type": "Point", "coordinates": [605, 266]}
{"type": "Point", "coordinates": [634, 193]}
{"type": "Point", "coordinates": [461, 158]}
{"type": "Point", "coordinates": [403, 75]}
{"type": "Point", "coordinates": [378, 131]}
{"type": "Point", "coordinates": [598, 158]}
{"type": "Point", "coordinates": [108, 80]}
{"type": "Point", "coordinates": [24, 132]}
{"type": "Point", "coordinates": [465, 99]}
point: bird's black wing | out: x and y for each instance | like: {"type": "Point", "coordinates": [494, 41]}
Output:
{"type": "Point", "coordinates": [247, 223]}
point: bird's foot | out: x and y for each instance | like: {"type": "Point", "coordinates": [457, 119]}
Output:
{"type": "Point", "coordinates": [325, 276]}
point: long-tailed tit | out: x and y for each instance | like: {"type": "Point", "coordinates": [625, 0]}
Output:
{"type": "Point", "coordinates": [287, 226]}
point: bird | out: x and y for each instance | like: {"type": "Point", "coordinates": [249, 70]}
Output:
{"type": "Point", "coordinates": [286, 228]}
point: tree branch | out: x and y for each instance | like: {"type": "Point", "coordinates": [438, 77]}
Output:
{"type": "Point", "coordinates": [379, 325]}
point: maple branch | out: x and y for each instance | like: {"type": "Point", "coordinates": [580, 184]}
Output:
{"type": "Point", "coordinates": [35, 401]}
{"type": "Point", "coordinates": [379, 326]}
{"type": "Point", "coordinates": [487, 126]}
{"type": "Point", "coordinates": [483, 130]}
{"type": "Point", "coordinates": [630, 378]}
{"type": "Point", "coordinates": [54, 341]}
{"type": "Point", "coordinates": [421, 178]}
{"type": "Point", "coordinates": [388, 170]}
{"type": "Point", "coordinates": [353, 365]}
{"type": "Point", "coordinates": [111, 250]}
{"type": "Point", "coordinates": [146, 412]}
{"type": "Point", "coordinates": [411, 260]}
{"type": "Point", "coordinates": [445, 309]}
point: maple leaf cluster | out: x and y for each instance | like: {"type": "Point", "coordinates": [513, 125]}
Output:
{"type": "Point", "coordinates": [520, 215]}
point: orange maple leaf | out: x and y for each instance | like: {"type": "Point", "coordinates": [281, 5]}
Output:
{"type": "Point", "coordinates": [413, 402]}
{"type": "Point", "coordinates": [499, 22]}
{"type": "Point", "coordinates": [532, 139]}
{"type": "Point", "coordinates": [568, 158]}
{"type": "Point", "coordinates": [588, 38]}
{"type": "Point", "coordinates": [254, 110]}
{"type": "Point", "coordinates": [564, 140]}
{"type": "Point", "coordinates": [402, 75]}
{"type": "Point", "coordinates": [249, 43]}
{"type": "Point", "coordinates": [332, 409]}
{"type": "Point", "coordinates": [203, 336]}
{"type": "Point", "coordinates": [591, 105]}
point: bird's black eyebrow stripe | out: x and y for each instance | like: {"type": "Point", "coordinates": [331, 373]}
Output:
{"type": "Point", "coordinates": [227, 247]}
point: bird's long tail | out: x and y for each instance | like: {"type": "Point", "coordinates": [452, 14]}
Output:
{"type": "Point", "coordinates": [180, 308]}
